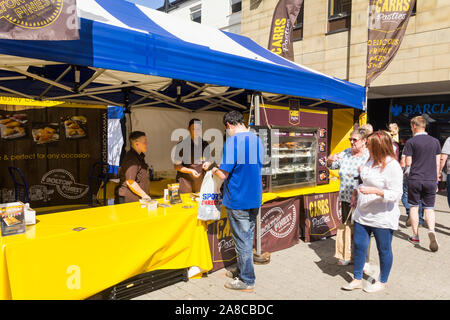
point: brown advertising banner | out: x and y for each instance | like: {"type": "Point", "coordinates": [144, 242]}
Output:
{"type": "Point", "coordinates": [38, 20]}
{"type": "Point", "coordinates": [284, 17]}
{"type": "Point", "coordinates": [54, 148]}
{"type": "Point", "coordinates": [321, 216]}
{"type": "Point", "coordinates": [387, 26]}
{"type": "Point", "coordinates": [280, 224]}
{"type": "Point", "coordinates": [221, 244]}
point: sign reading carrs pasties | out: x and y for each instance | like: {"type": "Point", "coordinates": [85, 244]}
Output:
{"type": "Point", "coordinates": [221, 244]}
{"type": "Point", "coordinates": [280, 224]}
{"type": "Point", "coordinates": [322, 215]}
{"type": "Point", "coordinates": [38, 20]}
{"type": "Point", "coordinates": [387, 26]}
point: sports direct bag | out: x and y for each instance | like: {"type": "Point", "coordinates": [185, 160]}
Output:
{"type": "Point", "coordinates": [210, 200]}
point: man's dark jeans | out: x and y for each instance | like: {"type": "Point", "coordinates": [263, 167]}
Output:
{"type": "Point", "coordinates": [242, 223]}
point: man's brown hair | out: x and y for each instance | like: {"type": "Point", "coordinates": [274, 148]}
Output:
{"type": "Point", "coordinates": [419, 121]}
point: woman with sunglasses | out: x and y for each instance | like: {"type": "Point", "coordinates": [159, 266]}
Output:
{"type": "Point", "coordinates": [377, 209]}
{"type": "Point", "coordinates": [348, 162]}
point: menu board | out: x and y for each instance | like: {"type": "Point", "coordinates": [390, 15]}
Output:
{"type": "Point", "coordinates": [54, 148]}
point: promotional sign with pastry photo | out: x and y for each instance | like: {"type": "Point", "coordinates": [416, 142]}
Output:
{"type": "Point", "coordinates": [12, 127]}
{"type": "Point", "coordinates": [12, 218]}
{"type": "Point", "coordinates": [45, 132]}
{"type": "Point", "coordinates": [75, 127]}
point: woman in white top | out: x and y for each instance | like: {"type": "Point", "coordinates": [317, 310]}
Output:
{"type": "Point", "coordinates": [377, 208]}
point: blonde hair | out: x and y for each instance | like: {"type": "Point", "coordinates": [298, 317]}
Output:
{"type": "Point", "coordinates": [394, 125]}
{"type": "Point", "coordinates": [419, 121]}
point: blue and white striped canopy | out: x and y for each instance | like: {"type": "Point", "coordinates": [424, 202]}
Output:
{"type": "Point", "coordinates": [124, 36]}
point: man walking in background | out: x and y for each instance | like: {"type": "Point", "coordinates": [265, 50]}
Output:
{"type": "Point", "coordinates": [422, 168]}
{"type": "Point", "coordinates": [445, 162]}
{"type": "Point", "coordinates": [240, 169]}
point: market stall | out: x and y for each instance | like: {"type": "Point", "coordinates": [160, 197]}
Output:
{"type": "Point", "coordinates": [134, 57]}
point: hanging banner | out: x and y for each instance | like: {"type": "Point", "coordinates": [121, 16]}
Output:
{"type": "Point", "coordinates": [38, 20]}
{"type": "Point", "coordinates": [322, 216]}
{"type": "Point", "coordinates": [387, 26]}
{"type": "Point", "coordinates": [284, 17]}
{"type": "Point", "coordinates": [280, 225]}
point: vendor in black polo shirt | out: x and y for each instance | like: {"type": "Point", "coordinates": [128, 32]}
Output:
{"type": "Point", "coordinates": [134, 176]}
{"type": "Point", "coordinates": [192, 159]}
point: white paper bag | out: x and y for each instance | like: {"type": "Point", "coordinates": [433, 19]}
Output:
{"type": "Point", "coordinates": [210, 200]}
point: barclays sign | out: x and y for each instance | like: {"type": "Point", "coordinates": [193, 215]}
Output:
{"type": "Point", "coordinates": [418, 109]}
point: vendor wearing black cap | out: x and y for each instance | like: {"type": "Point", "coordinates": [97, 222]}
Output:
{"type": "Point", "coordinates": [192, 159]}
{"type": "Point", "coordinates": [134, 176]}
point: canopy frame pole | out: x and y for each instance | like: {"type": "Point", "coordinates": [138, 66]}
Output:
{"type": "Point", "coordinates": [193, 93]}
{"type": "Point", "coordinates": [34, 76]}
{"type": "Point", "coordinates": [105, 100]}
{"type": "Point", "coordinates": [238, 105]}
{"type": "Point", "coordinates": [216, 103]}
{"type": "Point", "coordinates": [81, 94]}
{"type": "Point", "coordinates": [97, 73]}
{"type": "Point", "coordinates": [16, 92]}
{"type": "Point", "coordinates": [317, 103]}
{"type": "Point", "coordinates": [217, 95]}
{"type": "Point", "coordinates": [57, 80]}
{"type": "Point", "coordinates": [258, 217]}
{"type": "Point", "coordinates": [148, 96]}
{"type": "Point", "coordinates": [161, 101]}
{"type": "Point", "coordinates": [13, 78]}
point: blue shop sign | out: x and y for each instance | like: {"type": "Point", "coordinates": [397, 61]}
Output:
{"type": "Point", "coordinates": [418, 109]}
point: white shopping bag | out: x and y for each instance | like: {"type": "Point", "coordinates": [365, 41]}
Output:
{"type": "Point", "coordinates": [210, 200]}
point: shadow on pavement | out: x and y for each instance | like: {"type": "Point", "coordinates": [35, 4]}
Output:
{"type": "Point", "coordinates": [324, 249]}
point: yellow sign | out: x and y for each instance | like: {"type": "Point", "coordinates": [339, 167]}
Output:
{"type": "Point", "coordinates": [28, 102]}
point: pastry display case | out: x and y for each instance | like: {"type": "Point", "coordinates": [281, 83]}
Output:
{"type": "Point", "coordinates": [291, 157]}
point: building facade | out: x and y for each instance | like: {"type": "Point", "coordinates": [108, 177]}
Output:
{"type": "Point", "coordinates": [220, 14]}
{"type": "Point", "coordinates": [331, 37]}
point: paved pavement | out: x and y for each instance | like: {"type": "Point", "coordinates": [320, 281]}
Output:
{"type": "Point", "coordinates": [309, 271]}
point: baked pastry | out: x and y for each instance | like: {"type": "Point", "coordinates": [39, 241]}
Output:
{"type": "Point", "coordinates": [12, 124]}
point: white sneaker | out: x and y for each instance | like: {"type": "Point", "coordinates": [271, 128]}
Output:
{"type": "Point", "coordinates": [377, 286]}
{"type": "Point", "coordinates": [366, 268]}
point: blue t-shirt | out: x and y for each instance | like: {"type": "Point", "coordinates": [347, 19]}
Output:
{"type": "Point", "coordinates": [242, 158]}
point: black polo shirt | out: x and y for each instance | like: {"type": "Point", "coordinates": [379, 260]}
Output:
{"type": "Point", "coordinates": [423, 149]}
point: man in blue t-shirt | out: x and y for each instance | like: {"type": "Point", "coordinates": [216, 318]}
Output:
{"type": "Point", "coordinates": [423, 154]}
{"type": "Point", "coordinates": [240, 169]}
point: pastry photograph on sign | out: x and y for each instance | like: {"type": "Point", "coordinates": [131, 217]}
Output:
{"type": "Point", "coordinates": [45, 132]}
{"type": "Point", "coordinates": [75, 127]}
{"type": "Point", "coordinates": [12, 127]}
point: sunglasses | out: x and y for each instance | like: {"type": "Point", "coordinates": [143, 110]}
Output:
{"type": "Point", "coordinates": [353, 139]}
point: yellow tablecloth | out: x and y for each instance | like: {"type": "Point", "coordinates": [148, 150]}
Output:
{"type": "Point", "coordinates": [52, 261]}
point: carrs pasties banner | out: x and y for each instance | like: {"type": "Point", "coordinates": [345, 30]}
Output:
{"type": "Point", "coordinates": [388, 20]}
{"type": "Point", "coordinates": [283, 21]}
{"type": "Point", "coordinates": [38, 20]}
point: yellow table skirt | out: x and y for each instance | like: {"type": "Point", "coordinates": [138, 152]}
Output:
{"type": "Point", "coordinates": [52, 261]}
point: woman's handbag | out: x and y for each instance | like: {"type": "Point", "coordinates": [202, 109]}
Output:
{"type": "Point", "coordinates": [344, 238]}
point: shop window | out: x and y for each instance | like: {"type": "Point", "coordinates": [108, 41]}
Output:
{"type": "Point", "coordinates": [297, 32]}
{"type": "Point", "coordinates": [339, 15]}
{"type": "Point", "coordinates": [196, 14]}
{"type": "Point", "coordinates": [236, 6]}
